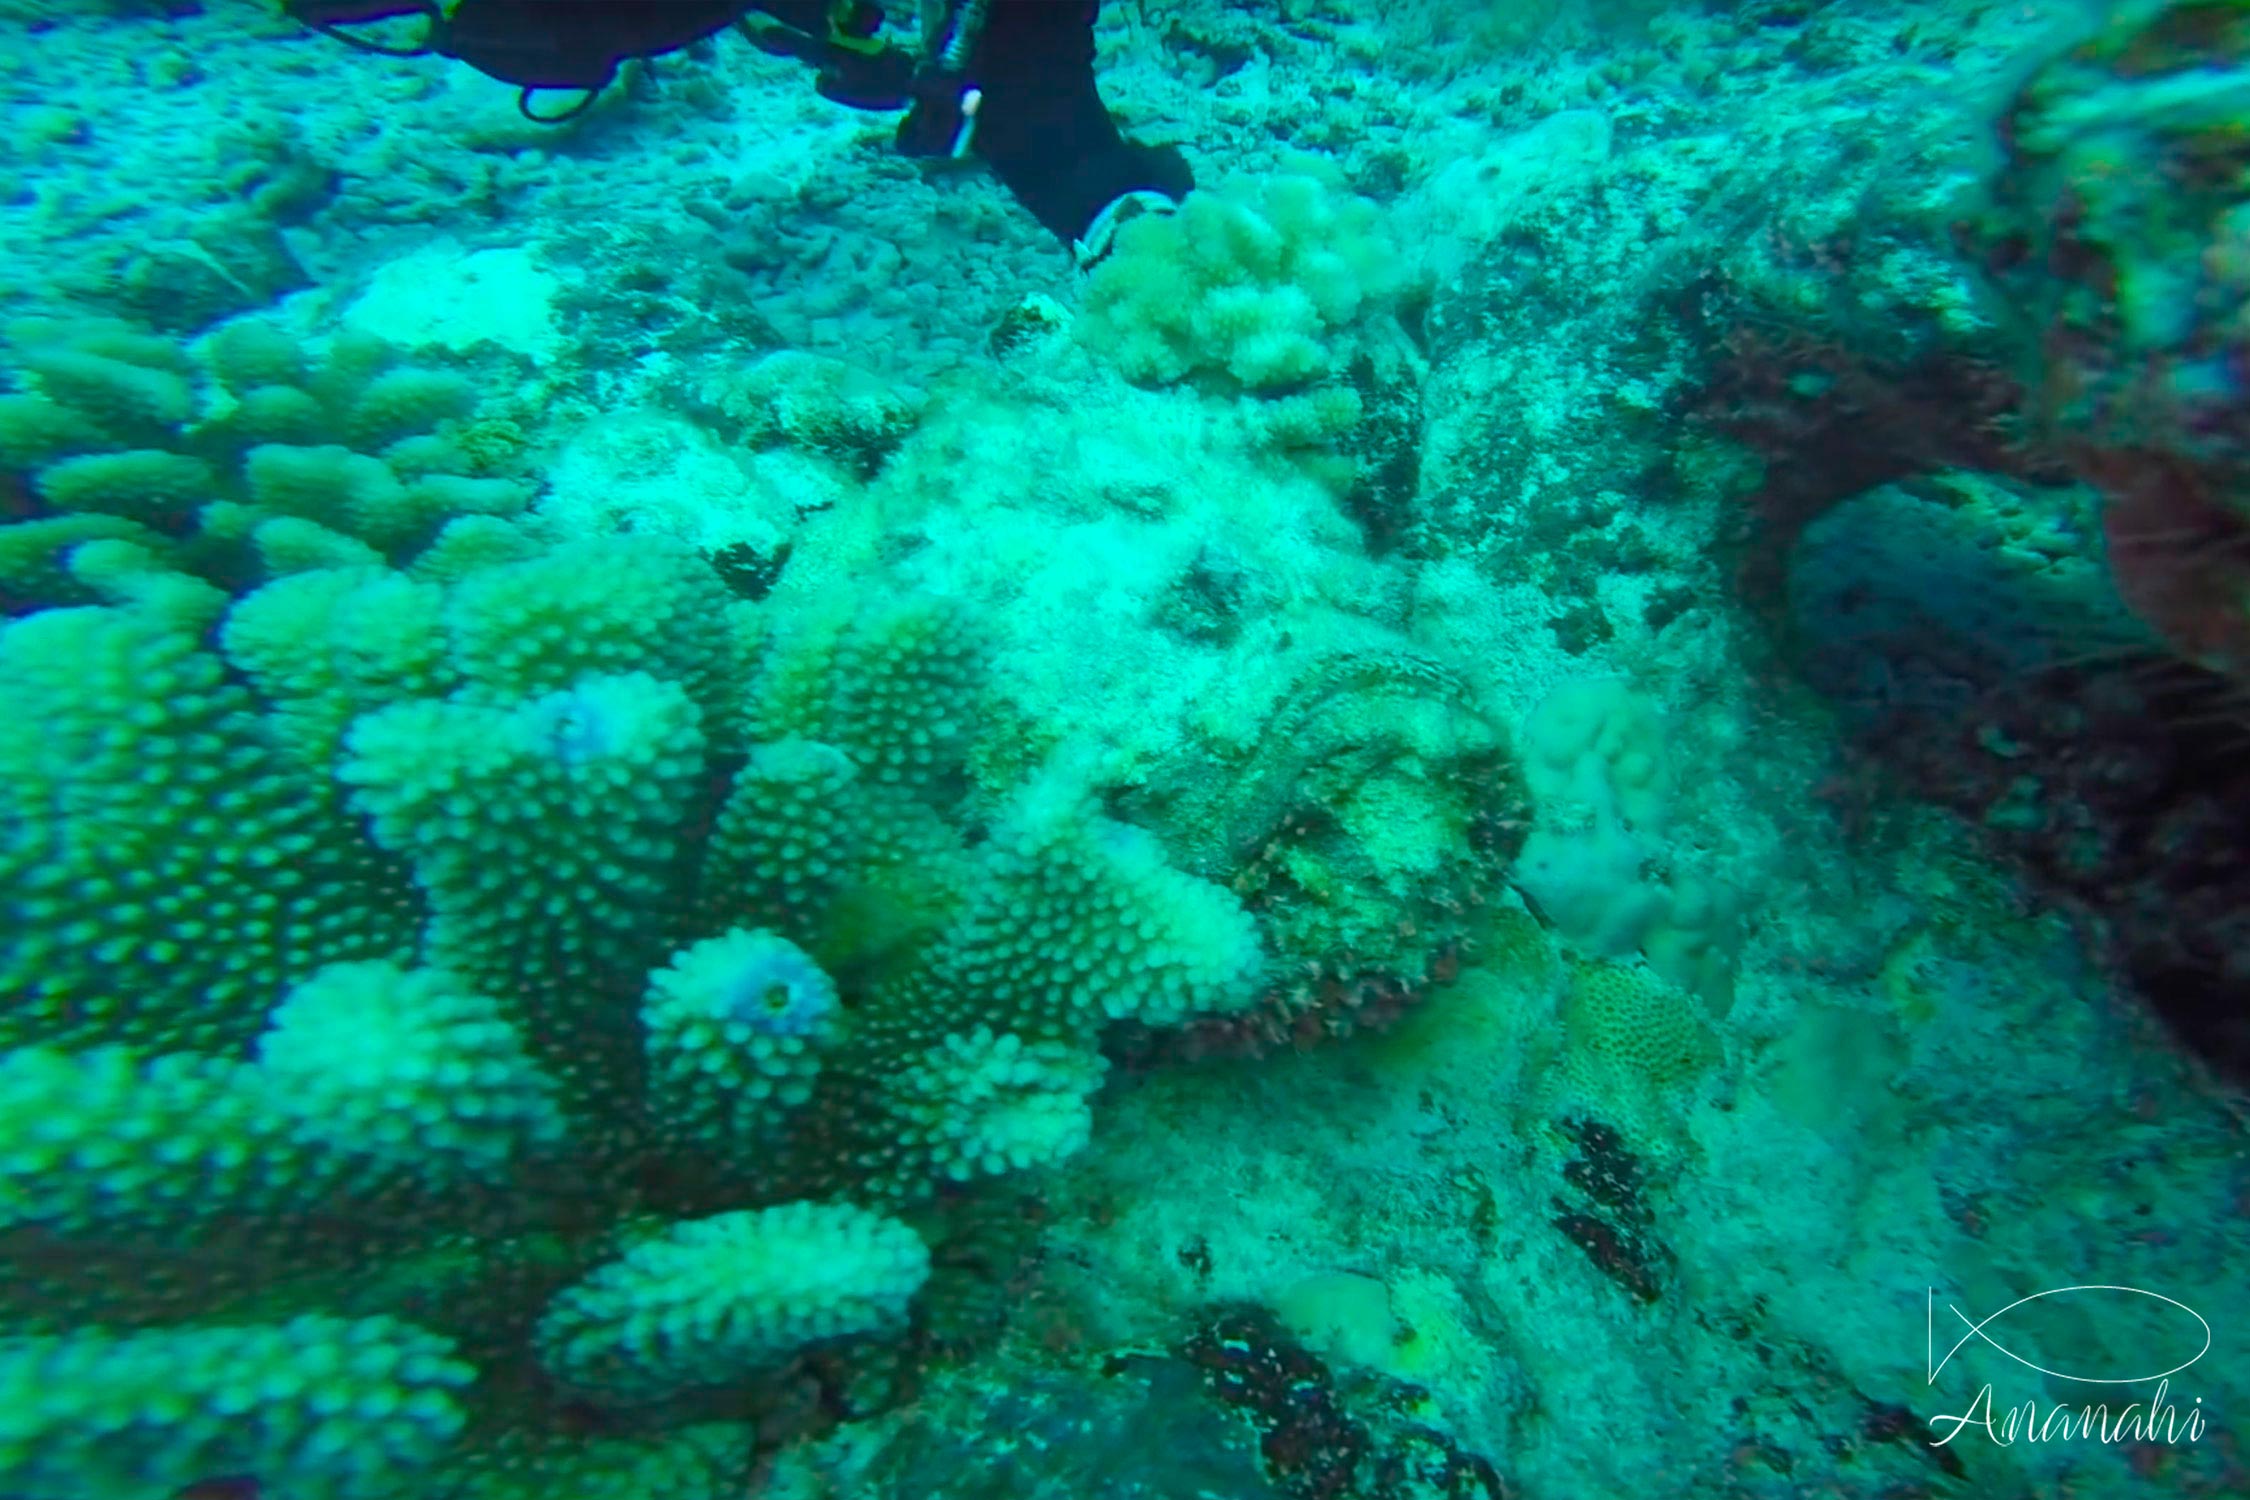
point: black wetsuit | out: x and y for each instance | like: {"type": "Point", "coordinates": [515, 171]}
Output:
{"type": "Point", "coordinates": [1043, 126]}
{"type": "Point", "coordinates": [1040, 122]}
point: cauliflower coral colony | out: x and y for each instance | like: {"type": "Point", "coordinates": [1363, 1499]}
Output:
{"type": "Point", "coordinates": [468, 990]}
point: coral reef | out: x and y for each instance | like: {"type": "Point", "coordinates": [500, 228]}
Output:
{"type": "Point", "coordinates": [1624, 640]}
{"type": "Point", "coordinates": [388, 882]}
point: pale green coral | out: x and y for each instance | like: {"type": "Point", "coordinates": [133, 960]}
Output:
{"type": "Point", "coordinates": [709, 1301]}
{"type": "Point", "coordinates": [134, 391]}
{"type": "Point", "coordinates": [980, 1104]}
{"type": "Point", "coordinates": [291, 544]}
{"type": "Point", "coordinates": [250, 355]}
{"type": "Point", "coordinates": [410, 1068]}
{"type": "Point", "coordinates": [1251, 282]}
{"type": "Point", "coordinates": [786, 840]}
{"type": "Point", "coordinates": [336, 487]}
{"type": "Point", "coordinates": [1079, 920]}
{"type": "Point", "coordinates": [316, 1407]}
{"type": "Point", "coordinates": [399, 403]}
{"type": "Point", "coordinates": [167, 871]}
{"type": "Point", "coordinates": [540, 832]}
{"type": "Point", "coordinates": [401, 903]}
{"type": "Point", "coordinates": [327, 645]}
{"type": "Point", "coordinates": [469, 544]}
{"type": "Point", "coordinates": [736, 1025]}
{"type": "Point", "coordinates": [891, 686]}
{"type": "Point", "coordinates": [116, 421]}
{"type": "Point", "coordinates": [143, 484]}
{"type": "Point", "coordinates": [618, 605]}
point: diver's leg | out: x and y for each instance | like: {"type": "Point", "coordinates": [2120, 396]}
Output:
{"type": "Point", "coordinates": [1042, 125]}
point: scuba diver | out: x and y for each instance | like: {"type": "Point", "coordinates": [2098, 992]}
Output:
{"type": "Point", "coordinates": [1008, 81]}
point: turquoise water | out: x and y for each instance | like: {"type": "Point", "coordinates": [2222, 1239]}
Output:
{"type": "Point", "coordinates": [1545, 800]}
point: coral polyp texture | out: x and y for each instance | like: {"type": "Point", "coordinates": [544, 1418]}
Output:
{"type": "Point", "coordinates": [388, 884]}
{"type": "Point", "coordinates": [706, 1299]}
{"type": "Point", "coordinates": [1248, 286]}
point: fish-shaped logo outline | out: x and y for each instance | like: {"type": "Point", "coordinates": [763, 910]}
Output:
{"type": "Point", "coordinates": [1976, 1330]}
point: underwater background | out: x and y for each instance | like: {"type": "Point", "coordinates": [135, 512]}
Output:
{"type": "Point", "coordinates": [1547, 802]}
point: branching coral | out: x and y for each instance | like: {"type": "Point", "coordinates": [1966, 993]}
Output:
{"type": "Point", "coordinates": [343, 1407]}
{"type": "Point", "coordinates": [262, 460]}
{"type": "Point", "coordinates": [603, 956]}
{"type": "Point", "coordinates": [707, 1299]}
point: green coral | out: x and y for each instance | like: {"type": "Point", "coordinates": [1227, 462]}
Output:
{"type": "Point", "coordinates": [368, 1077]}
{"type": "Point", "coordinates": [329, 643]}
{"type": "Point", "coordinates": [105, 1140]}
{"type": "Point", "coordinates": [736, 1026]}
{"type": "Point", "coordinates": [316, 1407]}
{"type": "Point", "coordinates": [386, 899]}
{"type": "Point", "coordinates": [142, 484]}
{"type": "Point", "coordinates": [541, 832]}
{"type": "Point", "coordinates": [256, 460]}
{"type": "Point", "coordinates": [34, 557]}
{"type": "Point", "coordinates": [413, 1069]}
{"type": "Point", "coordinates": [168, 871]}
{"type": "Point", "coordinates": [644, 604]}
{"type": "Point", "coordinates": [1251, 283]}
{"type": "Point", "coordinates": [1038, 942]}
{"type": "Point", "coordinates": [705, 1302]}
